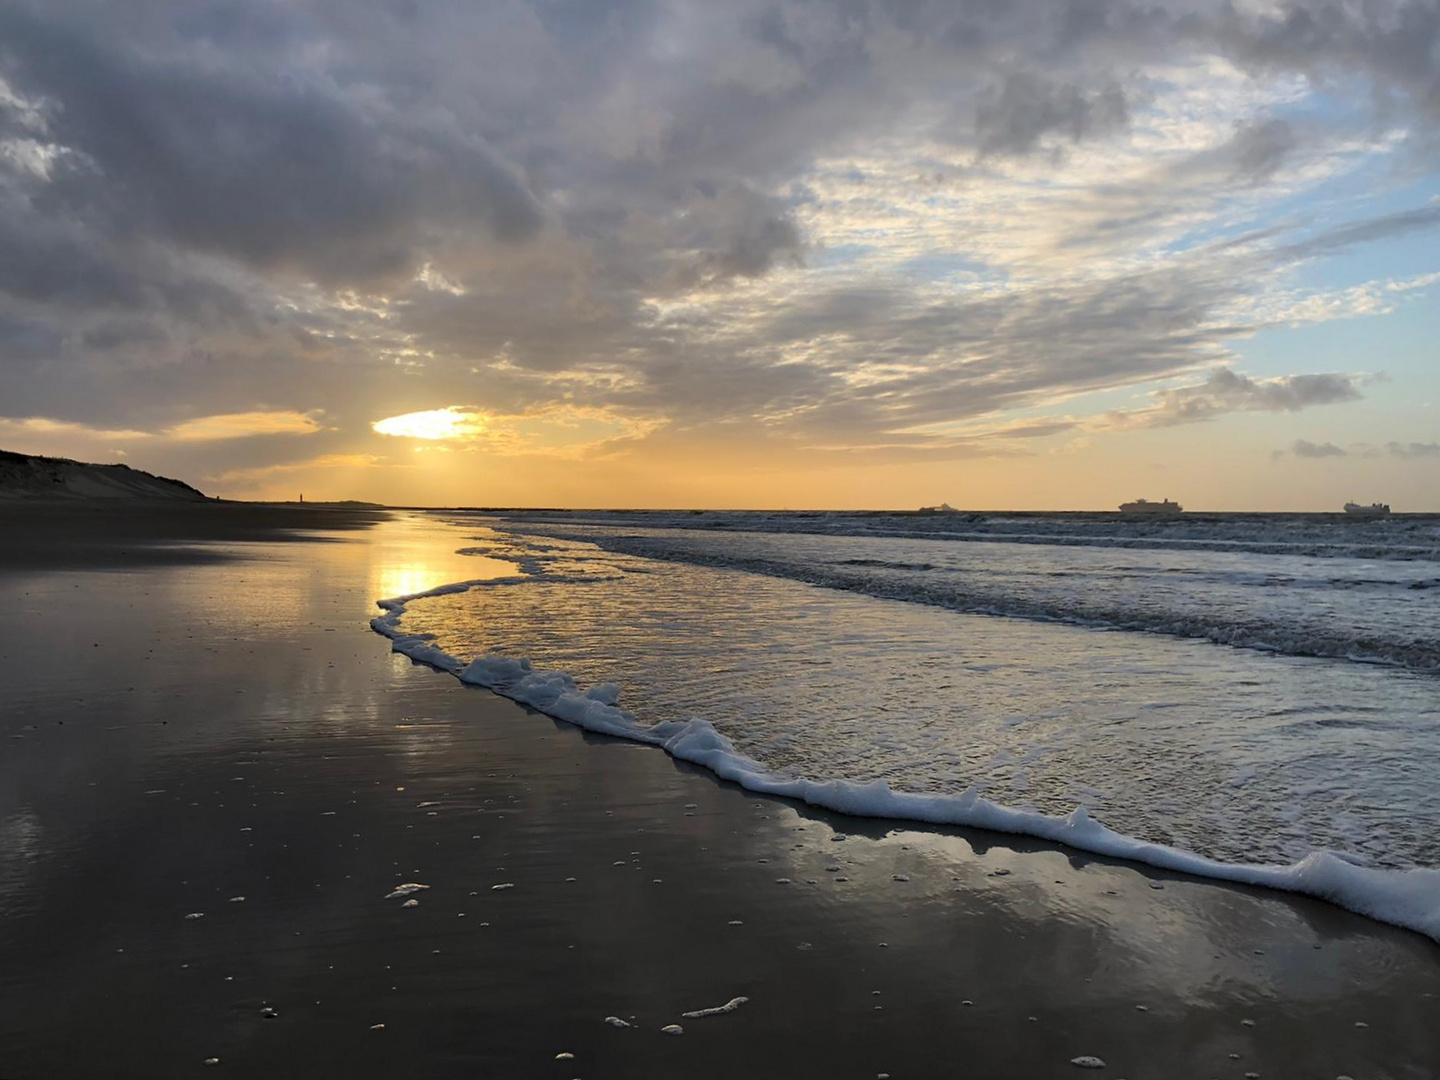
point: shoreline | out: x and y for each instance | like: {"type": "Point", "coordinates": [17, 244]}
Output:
{"type": "Point", "coordinates": [1391, 897]}
{"type": "Point", "coordinates": [185, 738]}
{"type": "Point", "coordinates": [1406, 898]}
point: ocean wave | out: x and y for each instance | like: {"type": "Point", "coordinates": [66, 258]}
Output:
{"type": "Point", "coordinates": [1405, 538]}
{"type": "Point", "coordinates": [1101, 609]}
{"type": "Point", "coordinates": [1407, 898]}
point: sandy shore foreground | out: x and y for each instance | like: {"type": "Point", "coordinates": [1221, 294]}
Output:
{"type": "Point", "coordinates": [213, 776]}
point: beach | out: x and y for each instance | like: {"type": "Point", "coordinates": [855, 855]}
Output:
{"type": "Point", "coordinates": [216, 779]}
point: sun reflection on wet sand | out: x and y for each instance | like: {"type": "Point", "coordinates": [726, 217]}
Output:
{"type": "Point", "coordinates": [417, 554]}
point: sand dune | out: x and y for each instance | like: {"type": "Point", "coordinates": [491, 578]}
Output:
{"type": "Point", "coordinates": [26, 476]}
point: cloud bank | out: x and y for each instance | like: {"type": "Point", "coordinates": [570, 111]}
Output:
{"type": "Point", "coordinates": [876, 227]}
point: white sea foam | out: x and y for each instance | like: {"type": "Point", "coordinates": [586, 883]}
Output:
{"type": "Point", "coordinates": [1407, 898]}
{"type": "Point", "coordinates": [718, 1010]}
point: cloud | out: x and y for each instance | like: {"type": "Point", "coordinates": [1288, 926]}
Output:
{"type": "Point", "coordinates": [257, 477]}
{"type": "Point", "coordinates": [324, 461]}
{"type": "Point", "coordinates": [1034, 429]}
{"type": "Point", "coordinates": [740, 234]}
{"type": "Point", "coordinates": [1223, 392]}
{"type": "Point", "coordinates": [204, 429]}
{"type": "Point", "coordinates": [1259, 148]}
{"type": "Point", "coordinates": [41, 425]}
{"type": "Point", "coordinates": [1365, 231]}
{"type": "Point", "coordinates": [216, 155]}
{"type": "Point", "coordinates": [243, 426]}
{"type": "Point", "coordinates": [1015, 116]}
{"type": "Point", "coordinates": [1413, 451]}
{"type": "Point", "coordinates": [1331, 42]}
{"type": "Point", "coordinates": [1226, 391]}
{"type": "Point", "coordinates": [1306, 449]}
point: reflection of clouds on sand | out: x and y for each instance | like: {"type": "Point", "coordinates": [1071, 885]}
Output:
{"type": "Point", "coordinates": [1185, 921]}
{"type": "Point", "coordinates": [296, 583]}
{"type": "Point", "coordinates": [1105, 921]}
{"type": "Point", "coordinates": [265, 655]}
{"type": "Point", "coordinates": [244, 617]}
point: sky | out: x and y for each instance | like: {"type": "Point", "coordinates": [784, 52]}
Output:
{"type": "Point", "coordinates": [1027, 254]}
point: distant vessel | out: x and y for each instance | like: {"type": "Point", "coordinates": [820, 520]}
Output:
{"type": "Point", "coordinates": [1374, 510]}
{"type": "Point", "coordinates": [1146, 508]}
{"type": "Point", "coordinates": [943, 508]}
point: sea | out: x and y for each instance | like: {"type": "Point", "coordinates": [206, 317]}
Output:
{"type": "Point", "coordinates": [1250, 697]}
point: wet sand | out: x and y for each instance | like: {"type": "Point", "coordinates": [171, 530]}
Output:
{"type": "Point", "coordinates": [97, 534]}
{"type": "Point", "coordinates": [174, 737]}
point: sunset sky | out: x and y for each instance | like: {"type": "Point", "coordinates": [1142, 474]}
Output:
{"type": "Point", "coordinates": [859, 253]}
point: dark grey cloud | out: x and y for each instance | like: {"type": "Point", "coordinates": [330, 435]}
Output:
{"type": "Point", "coordinates": [28, 339]}
{"type": "Point", "coordinates": [738, 233]}
{"type": "Point", "coordinates": [1390, 46]}
{"type": "Point", "coordinates": [1414, 450]}
{"type": "Point", "coordinates": [1036, 430]}
{"type": "Point", "coordinates": [1260, 148]}
{"type": "Point", "coordinates": [1365, 231]}
{"type": "Point", "coordinates": [1014, 116]}
{"type": "Point", "coordinates": [1306, 449]}
{"type": "Point", "coordinates": [278, 169]}
{"type": "Point", "coordinates": [54, 261]}
{"type": "Point", "coordinates": [1227, 391]}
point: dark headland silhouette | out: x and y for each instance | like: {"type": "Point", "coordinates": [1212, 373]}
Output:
{"type": "Point", "coordinates": [56, 513]}
{"type": "Point", "coordinates": [29, 476]}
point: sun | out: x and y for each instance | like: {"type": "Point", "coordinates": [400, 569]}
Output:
{"type": "Point", "coordinates": [448, 423]}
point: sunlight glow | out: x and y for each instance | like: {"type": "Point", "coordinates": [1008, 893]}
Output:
{"type": "Point", "coordinates": [448, 423]}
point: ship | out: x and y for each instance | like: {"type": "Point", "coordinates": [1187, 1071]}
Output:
{"type": "Point", "coordinates": [943, 508]}
{"type": "Point", "coordinates": [1146, 508]}
{"type": "Point", "coordinates": [1374, 510]}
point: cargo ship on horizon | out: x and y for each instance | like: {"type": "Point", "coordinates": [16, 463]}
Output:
{"type": "Point", "coordinates": [1146, 508]}
{"type": "Point", "coordinates": [1374, 510]}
